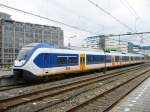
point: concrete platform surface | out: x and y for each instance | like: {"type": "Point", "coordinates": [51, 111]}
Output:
{"type": "Point", "coordinates": [5, 74]}
{"type": "Point", "coordinates": [137, 101]}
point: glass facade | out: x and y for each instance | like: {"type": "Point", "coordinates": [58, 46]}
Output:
{"type": "Point", "coordinates": [14, 35]}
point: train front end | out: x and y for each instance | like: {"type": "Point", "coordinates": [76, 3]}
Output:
{"type": "Point", "coordinates": [22, 62]}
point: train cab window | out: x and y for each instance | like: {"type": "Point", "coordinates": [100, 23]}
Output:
{"type": "Point", "coordinates": [62, 61]}
{"type": "Point", "coordinates": [24, 52]}
{"type": "Point", "coordinates": [73, 60]}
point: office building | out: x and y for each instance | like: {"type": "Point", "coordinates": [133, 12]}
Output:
{"type": "Point", "coordinates": [14, 35]}
{"type": "Point", "coordinates": [101, 42]}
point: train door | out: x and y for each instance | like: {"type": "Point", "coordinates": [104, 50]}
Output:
{"type": "Point", "coordinates": [120, 60]}
{"type": "Point", "coordinates": [82, 61]}
{"type": "Point", "coordinates": [113, 60]}
{"type": "Point", "coordinates": [129, 59]}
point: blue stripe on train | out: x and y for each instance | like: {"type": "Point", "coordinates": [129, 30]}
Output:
{"type": "Point", "coordinates": [47, 60]}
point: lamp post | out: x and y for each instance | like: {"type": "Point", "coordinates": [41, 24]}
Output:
{"type": "Point", "coordinates": [69, 44]}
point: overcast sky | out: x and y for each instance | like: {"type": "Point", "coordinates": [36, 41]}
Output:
{"type": "Point", "coordinates": [81, 13]}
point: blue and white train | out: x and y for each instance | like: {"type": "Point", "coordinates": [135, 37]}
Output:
{"type": "Point", "coordinates": [37, 61]}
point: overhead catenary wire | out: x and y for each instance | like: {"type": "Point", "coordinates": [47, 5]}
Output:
{"type": "Point", "coordinates": [109, 14]}
{"type": "Point", "coordinates": [127, 6]}
{"type": "Point", "coordinates": [55, 21]}
{"type": "Point", "coordinates": [69, 10]}
{"type": "Point", "coordinates": [128, 34]}
{"type": "Point", "coordinates": [137, 16]}
{"type": "Point", "coordinates": [46, 18]}
{"type": "Point", "coordinates": [116, 19]}
{"type": "Point", "coordinates": [132, 9]}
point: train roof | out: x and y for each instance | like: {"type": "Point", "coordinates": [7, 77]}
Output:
{"type": "Point", "coordinates": [43, 45]}
{"type": "Point", "coordinates": [32, 45]}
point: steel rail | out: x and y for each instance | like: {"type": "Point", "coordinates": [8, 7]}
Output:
{"type": "Point", "coordinates": [106, 92]}
{"type": "Point", "coordinates": [15, 101]}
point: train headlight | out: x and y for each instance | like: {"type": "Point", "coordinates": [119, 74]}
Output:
{"type": "Point", "coordinates": [19, 62]}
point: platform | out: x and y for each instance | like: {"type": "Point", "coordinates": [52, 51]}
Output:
{"type": "Point", "coordinates": [6, 78]}
{"type": "Point", "coordinates": [6, 74]}
{"type": "Point", "coordinates": [137, 101]}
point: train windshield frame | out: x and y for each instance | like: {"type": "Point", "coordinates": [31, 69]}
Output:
{"type": "Point", "coordinates": [24, 53]}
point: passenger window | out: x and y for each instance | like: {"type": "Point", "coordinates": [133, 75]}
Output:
{"type": "Point", "coordinates": [131, 58]}
{"type": "Point", "coordinates": [127, 58]}
{"type": "Point", "coordinates": [46, 57]}
{"type": "Point", "coordinates": [61, 60]}
{"type": "Point", "coordinates": [89, 59]}
{"type": "Point", "coordinates": [73, 60]}
{"type": "Point", "coordinates": [108, 59]}
{"type": "Point", "coordinates": [94, 59]}
{"type": "Point", "coordinates": [47, 62]}
{"type": "Point", "coordinates": [124, 58]}
{"type": "Point", "coordinates": [117, 58]}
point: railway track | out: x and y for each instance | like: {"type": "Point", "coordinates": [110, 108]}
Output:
{"type": "Point", "coordinates": [83, 100]}
{"type": "Point", "coordinates": [8, 87]}
{"type": "Point", "coordinates": [15, 86]}
{"type": "Point", "coordinates": [9, 103]}
{"type": "Point", "coordinates": [23, 84]}
{"type": "Point", "coordinates": [109, 91]}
